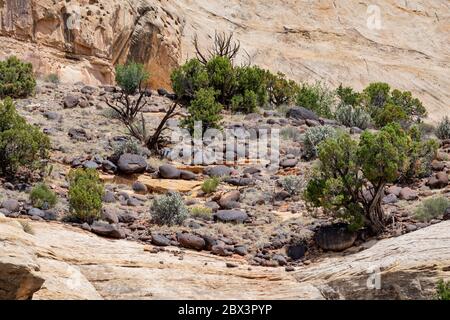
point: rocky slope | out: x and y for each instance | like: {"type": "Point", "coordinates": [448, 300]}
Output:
{"type": "Point", "coordinates": [333, 41]}
{"type": "Point", "coordinates": [78, 265]}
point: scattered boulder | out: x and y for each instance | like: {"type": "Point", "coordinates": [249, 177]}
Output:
{"type": "Point", "coordinates": [439, 181]}
{"type": "Point", "coordinates": [12, 205]}
{"type": "Point", "coordinates": [91, 165]}
{"type": "Point", "coordinates": [289, 163]}
{"type": "Point", "coordinates": [394, 190]}
{"type": "Point", "coordinates": [335, 237]}
{"type": "Point", "coordinates": [187, 175]}
{"type": "Point", "coordinates": [235, 216]}
{"type": "Point", "coordinates": [437, 165]}
{"type": "Point", "coordinates": [221, 250]}
{"type": "Point", "coordinates": [390, 199]}
{"type": "Point", "coordinates": [78, 134]}
{"type": "Point", "coordinates": [408, 194]}
{"type": "Point", "coordinates": [109, 215]}
{"type": "Point", "coordinates": [230, 200]}
{"type": "Point", "coordinates": [139, 187]}
{"type": "Point", "coordinates": [297, 251]}
{"type": "Point", "coordinates": [447, 214]}
{"type": "Point", "coordinates": [301, 113]}
{"type": "Point", "coordinates": [132, 163]}
{"type": "Point", "coordinates": [36, 212]}
{"type": "Point", "coordinates": [160, 240]}
{"type": "Point", "coordinates": [70, 102]}
{"type": "Point", "coordinates": [218, 171]}
{"type": "Point", "coordinates": [241, 250]}
{"type": "Point", "coordinates": [168, 171]}
{"type": "Point", "coordinates": [239, 182]}
{"type": "Point", "coordinates": [108, 166]}
{"type": "Point", "coordinates": [191, 241]}
{"type": "Point", "coordinates": [109, 197]}
{"type": "Point", "coordinates": [127, 217]}
{"type": "Point", "coordinates": [107, 230]}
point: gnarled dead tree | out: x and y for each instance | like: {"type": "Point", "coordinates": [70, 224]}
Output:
{"type": "Point", "coordinates": [224, 46]}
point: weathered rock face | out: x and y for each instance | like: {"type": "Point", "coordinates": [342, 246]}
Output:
{"type": "Point", "coordinates": [333, 41]}
{"type": "Point", "coordinates": [81, 40]}
{"type": "Point", "coordinates": [79, 265]}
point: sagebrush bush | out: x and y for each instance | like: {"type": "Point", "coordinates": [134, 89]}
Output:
{"type": "Point", "coordinates": [52, 78]}
{"type": "Point", "coordinates": [318, 98]}
{"type": "Point", "coordinates": [203, 108]}
{"type": "Point", "coordinates": [313, 137]}
{"type": "Point", "coordinates": [42, 197]}
{"type": "Point", "coordinates": [292, 184]}
{"type": "Point", "coordinates": [85, 194]}
{"type": "Point", "coordinates": [281, 90]}
{"type": "Point", "coordinates": [350, 116]}
{"type": "Point", "coordinates": [16, 78]}
{"type": "Point", "coordinates": [431, 209]}
{"type": "Point", "coordinates": [347, 166]}
{"type": "Point", "coordinates": [443, 290]}
{"type": "Point", "coordinates": [23, 147]}
{"type": "Point", "coordinates": [210, 185]}
{"type": "Point", "coordinates": [131, 76]}
{"type": "Point", "coordinates": [291, 133]}
{"type": "Point", "coordinates": [443, 129]}
{"type": "Point", "coordinates": [169, 210]}
{"type": "Point", "coordinates": [203, 213]}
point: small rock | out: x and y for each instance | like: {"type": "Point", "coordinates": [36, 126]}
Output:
{"type": "Point", "coordinates": [109, 166]}
{"type": "Point", "coordinates": [109, 197]}
{"type": "Point", "coordinates": [187, 175]}
{"type": "Point", "coordinates": [90, 165]}
{"type": "Point", "coordinates": [139, 187]}
{"type": "Point", "coordinates": [289, 163]}
{"type": "Point", "coordinates": [240, 250]}
{"type": "Point", "coordinates": [231, 265]}
{"type": "Point", "coordinates": [70, 102]}
{"type": "Point", "coordinates": [439, 181]}
{"type": "Point", "coordinates": [230, 200]}
{"type": "Point", "coordinates": [36, 212]}
{"type": "Point", "coordinates": [235, 216]}
{"type": "Point", "coordinates": [301, 113]}
{"type": "Point", "coordinates": [289, 269]}
{"type": "Point", "coordinates": [408, 194]}
{"type": "Point", "coordinates": [390, 199]}
{"type": "Point", "coordinates": [296, 252]}
{"type": "Point", "coordinates": [109, 215]}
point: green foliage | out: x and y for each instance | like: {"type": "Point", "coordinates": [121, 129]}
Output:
{"type": "Point", "coordinates": [348, 169]}
{"type": "Point", "coordinates": [281, 90]}
{"type": "Point", "coordinates": [313, 137]}
{"type": "Point", "coordinates": [389, 113]}
{"type": "Point", "coordinates": [375, 96]}
{"type": "Point", "coordinates": [85, 194]}
{"type": "Point", "coordinates": [52, 78]}
{"type": "Point", "coordinates": [432, 209]}
{"type": "Point", "coordinates": [443, 290]}
{"type": "Point", "coordinates": [169, 210]}
{"type": "Point", "coordinates": [202, 213]}
{"type": "Point", "coordinates": [347, 96]}
{"type": "Point", "coordinates": [412, 107]}
{"type": "Point", "coordinates": [251, 82]}
{"type": "Point", "coordinates": [131, 76]}
{"type": "Point", "coordinates": [247, 103]}
{"type": "Point", "coordinates": [188, 79]}
{"type": "Point", "coordinates": [203, 108]}
{"type": "Point", "coordinates": [221, 75]}
{"type": "Point", "coordinates": [443, 129]}
{"type": "Point", "coordinates": [210, 185]}
{"type": "Point", "coordinates": [16, 78]}
{"type": "Point", "coordinates": [292, 184]}
{"type": "Point", "coordinates": [350, 116]}
{"type": "Point", "coordinates": [318, 98]}
{"type": "Point", "coordinates": [42, 197]}
{"type": "Point", "coordinates": [23, 147]}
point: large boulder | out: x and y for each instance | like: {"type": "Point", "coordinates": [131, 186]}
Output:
{"type": "Point", "coordinates": [335, 237]}
{"type": "Point", "coordinates": [168, 171]}
{"type": "Point", "coordinates": [191, 241]}
{"type": "Point", "coordinates": [12, 205]}
{"type": "Point", "coordinates": [107, 230]}
{"type": "Point", "coordinates": [301, 113]}
{"type": "Point", "coordinates": [235, 216]}
{"type": "Point", "coordinates": [218, 171]}
{"type": "Point", "coordinates": [439, 181]}
{"type": "Point", "coordinates": [132, 163]}
{"type": "Point", "coordinates": [230, 200]}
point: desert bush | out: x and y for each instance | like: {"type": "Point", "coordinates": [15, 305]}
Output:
{"type": "Point", "coordinates": [85, 194]}
{"type": "Point", "coordinates": [210, 185]}
{"type": "Point", "coordinates": [431, 209]}
{"type": "Point", "coordinates": [247, 103]}
{"type": "Point", "coordinates": [281, 90]}
{"type": "Point", "coordinates": [292, 184]}
{"type": "Point", "coordinates": [411, 106]}
{"type": "Point", "coordinates": [350, 116]}
{"type": "Point", "coordinates": [291, 133]}
{"type": "Point", "coordinates": [251, 79]}
{"type": "Point", "coordinates": [318, 98]}
{"type": "Point", "coordinates": [127, 146]}
{"type": "Point", "coordinates": [131, 77]}
{"type": "Point", "coordinates": [42, 197]}
{"type": "Point", "coordinates": [224, 46]}
{"type": "Point", "coordinates": [443, 290]}
{"type": "Point", "coordinates": [347, 96]}
{"type": "Point", "coordinates": [188, 79]}
{"type": "Point", "coordinates": [313, 137]}
{"type": "Point", "coordinates": [52, 78]}
{"type": "Point", "coordinates": [16, 78]}
{"type": "Point", "coordinates": [389, 113]}
{"type": "Point", "coordinates": [203, 108]}
{"type": "Point", "coordinates": [221, 78]}
{"type": "Point", "coordinates": [203, 213]}
{"type": "Point", "coordinates": [443, 129]}
{"type": "Point", "coordinates": [350, 178]}
{"type": "Point", "coordinates": [169, 210]}
{"type": "Point", "coordinates": [23, 147]}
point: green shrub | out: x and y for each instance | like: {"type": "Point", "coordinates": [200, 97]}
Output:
{"type": "Point", "coordinates": [169, 210]}
{"type": "Point", "coordinates": [313, 137]}
{"type": "Point", "coordinates": [16, 78]}
{"type": "Point", "coordinates": [52, 78]}
{"type": "Point", "coordinates": [203, 108]}
{"type": "Point", "coordinates": [318, 98]}
{"type": "Point", "coordinates": [292, 184]}
{"type": "Point", "coordinates": [202, 213]}
{"type": "Point", "coordinates": [131, 76]}
{"type": "Point", "coordinates": [221, 76]}
{"type": "Point", "coordinates": [389, 113]}
{"type": "Point", "coordinates": [210, 185]}
{"type": "Point", "coordinates": [350, 116]}
{"type": "Point", "coordinates": [443, 129]}
{"type": "Point", "coordinates": [42, 197]}
{"type": "Point", "coordinates": [347, 96]}
{"type": "Point", "coordinates": [431, 209]}
{"type": "Point", "coordinates": [291, 133]}
{"type": "Point", "coordinates": [188, 79]}
{"type": "Point", "coordinates": [375, 96]}
{"type": "Point", "coordinates": [85, 194]}
{"type": "Point", "coordinates": [347, 168]}
{"type": "Point", "coordinates": [23, 147]}
{"type": "Point", "coordinates": [251, 79]}
{"type": "Point", "coordinates": [281, 90]}
{"type": "Point", "coordinates": [246, 104]}
{"type": "Point", "coordinates": [443, 290]}
{"type": "Point", "coordinates": [128, 146]}
{"type": "Point", "coordinates": [412, 107]}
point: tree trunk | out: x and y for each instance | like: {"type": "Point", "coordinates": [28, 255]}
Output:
{"type": "Point", "coordinates": [376, 212]}
{"type": "Point", "coordinates": [153, 142]}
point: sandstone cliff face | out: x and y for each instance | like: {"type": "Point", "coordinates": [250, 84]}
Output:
{"type": "Point", "coordinates": [404, 43]}
{"type": "Point", "coordinates": [79, 265]}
